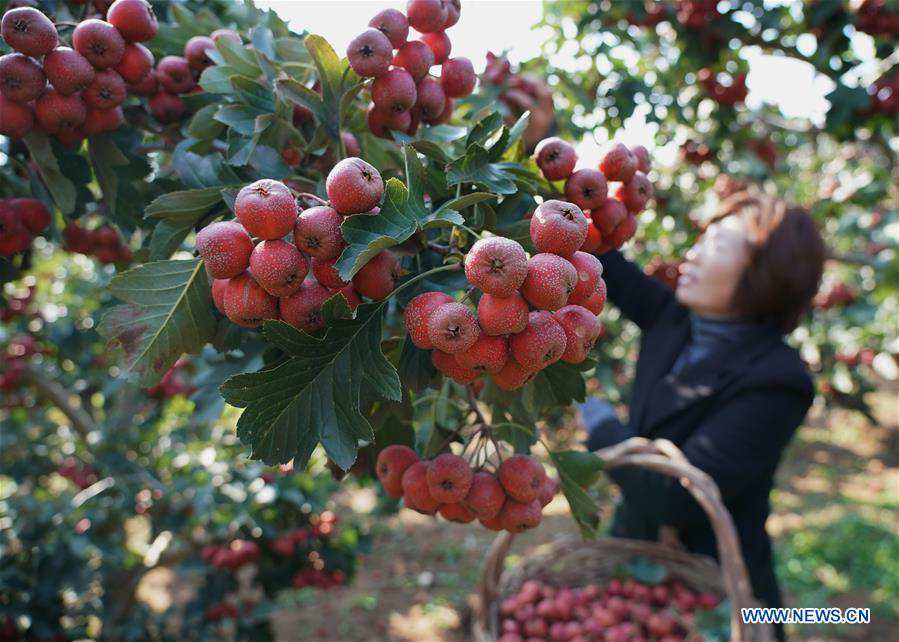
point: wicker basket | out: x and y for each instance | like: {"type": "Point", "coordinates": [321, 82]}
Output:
{"type": "Point", "coordinates": [572, 563]}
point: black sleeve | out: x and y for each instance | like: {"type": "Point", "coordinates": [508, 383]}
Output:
{"type": "Point", "coordinates": [640, 297]}
{"type": "Point", "coordinates": [735, 446]}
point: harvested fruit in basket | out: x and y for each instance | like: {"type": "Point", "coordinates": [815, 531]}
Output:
{"type": "Point", "coordinates": [511, 498]}
{"type": "Point", "coordinates": [617, 611]}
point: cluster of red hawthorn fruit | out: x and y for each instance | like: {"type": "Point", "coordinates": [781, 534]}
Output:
{"type": "Point", "coordinates": [403, 92]}
{"type": "Point", "coordinates": [728, 95]}
{"type": "Point", "coordinates": [613, 218]}
{"type": "Point", "coordinates": [103, 243]}
{"type": "Point", "coordinates": [518, 91]}
{"type": "Point", "coordinates": [618, 611]}
{"type": "Point", "coordinates": [89, 81]}
{"type": "Point", "coordinates": [270, 278]}
{"type": "Point", "coordinates": [512, 499]}
{"type": "Point", "coordinates": [21, 219]}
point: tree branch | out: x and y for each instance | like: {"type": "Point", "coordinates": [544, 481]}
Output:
{"type": "Point", "coordinates": [81, 420]}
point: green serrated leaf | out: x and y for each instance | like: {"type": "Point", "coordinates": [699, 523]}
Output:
{"type": "Point", "coordinates": [168, 237]}
{"type": "Point", "coordinates": [217, 79]}
{"type": "Point", "coordinates": [583, 467]}
{"type": "Point", "coordinates": [61, 188]}
{"type": "Point", "coordinates": [315, 394]}
{"type": "Point", "coordinates": [186, 205]}
{"type": "Point", "coordinates": [105, 158]}
{"type": "Point", "coordinates": [475, 167]}
{"type": "Point", "coordinates": [295, 92]}
{"type": "Point", "coordinates": [583, 508]}
{"type": "Point", "coordinates": [238, 57]}
{"type": "Point", "coordinates": [168, 312]}
{"type": "Point", "coordinates": [203, 126]}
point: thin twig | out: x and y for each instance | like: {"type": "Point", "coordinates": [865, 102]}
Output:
{"type": "Point", "coordinates": [440, 249]}
{"type": "Point", "coordinates": [473, 405]}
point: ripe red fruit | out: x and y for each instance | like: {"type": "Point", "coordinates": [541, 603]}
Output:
{"type": "Point", "coordinates": [415, 489]}
{"type": "Point", "coordinates": [449, 478]}
{"type": "Point", "coordinates": [134, 19]}
{"type": "Point", "coordinates": [195, 52]}
{"type": "Point", "coordinates": [597, 300]}
{"type": "Point", "coordinates": [377, 278]}
{"type": "Point", "coordinates": [68, 71]}
{"type": "Point", "coordinates": [174, 75]}
{"type": "Point", "coordinates": [392, 463]}
{"type": "Point", "coordinates": [108, 90]}
{"type": "Point", "coordinates": [326, 273]}
{"type": "Point", "coordinates": [415, 57]}
{"type": "Point", "coordinates": [556, 158]}
{"type": "Point", "coordinates": [486, 496]}
{"type": "Point", "coordinates": [55, 111]}
{"type": "Point", "coordinates": [22, 79]}
{"type": "Point", "coordinates": [354, 186]}
{"type": "Point", "coordinates": [218, 293]}
{"type": "Point", "coordinates": [540, 344]}
{"type": "Point", "coordinates": [443, 117]}
{"type": "Point", "coordinates": [618, 163]}
{"type": "Point", "coordinates": [609, 215]}
{"type": "Point", "coordinates": [394, 91]}
{"type": "Point", "coordinates": [225, 248]}
{"type": "Point", "coordinates": [456, 513]}
{"type": "Point", "coordinates": [453, 328]}
{"type": "Point", "coordinates": [502, 315]}
{"type": "Point", "coordinates": [28, 31]}
{"type": "Point", "coordinates": [14, 236]}
{"type": "Point", "coordinates": [165, 107]}
{"type": "Point", "coordinates": [582, 329]}
{"type": "Point", "coordinates": [549, 281]}
{"type": "Point", "coordinates": [641, 154]}
{"type": "Point", "coordinates": [430, 98]}
{"type": "Point", "coordinates": [417, 316]}
{"type": "Point", "coordinates": [317, 232]}
{"type": "Point", "coordinates": [522, 477]}
{"type": "Point", "coordinates": [558, 227]}
{"type": "Point", "coordinates": [350, 144]}
{"type": "Point", "coordinates": [33, 214]}
{"type": "Point", "coordinates": [496, 265]}
{"type": "Point", "coordinates": [589, 272]}
{"type": "Point", "coordinates": [229, 34]}
{"type": "Point", "coordinates": [517, 517]}
{"type": "Point", "coordinates": [16, 120]}
{"type": "Point", "coordinates": [548, 490]}
{"type": "Point", "coordinates": [136, 63]}
{"type": "Point", "coordinates": [246, 303]}
{"type": "Point", "coordinates": [453, 12]}
{"type": "Point", "coordinates": [278, 267]}
{"type": "Point", "coordinates": [513, 376]}
{"type": "Point", "coordinates": [99, 42]}
{"type": "Point", "coordinates": [621, 234]}
{"type": "Point", "coordinates": [147, 86]}
{"type": "Point", "coordinates": [635, 193]}
{"type": "Point", "coordinates": [447, 364]}
{"type": "Point", "coordinates": [266, 208]}
{"type": "Point", "coordinates": [349, 294]}
{"type": "Point", "coordinates": [586, 188]}
{"type": "Point", "coordinates": [439, 44]}
{"type": "Point", "coordinates": [594, 237]}
{"type": "Point", "coordinates": [487, 354]}
{"type": "Point", "coordinates": [457, 77]}
{"type": "Point", "coordinates": [660, 624]}
{"type": "Point", "coordinates": [381, 123]}
{"type": "Point", "coordinates": [494, 524]}
{"type": "Point", "coordinates": [303, 308]}
{"type": "Point", "coordinates": [393, 24]}
{"type": "Point", "coordinates": [370, 53]}
{"type": "Point", "coordinates": [426, 16]}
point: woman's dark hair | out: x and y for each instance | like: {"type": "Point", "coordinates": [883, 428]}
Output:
{"type": "Point", "coordinates": [786, 261]}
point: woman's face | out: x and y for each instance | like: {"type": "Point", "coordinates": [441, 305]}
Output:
{"type": "Point", "coordinates": [713, 267]}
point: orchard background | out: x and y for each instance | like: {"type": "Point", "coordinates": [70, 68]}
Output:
{"type": "Point", "coordinates": [165, 473]}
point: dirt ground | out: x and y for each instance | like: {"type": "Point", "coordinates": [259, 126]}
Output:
{"type": "Point", "coordinates": [835, 522]}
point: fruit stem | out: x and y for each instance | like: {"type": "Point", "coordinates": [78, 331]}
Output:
{"type": "Point", "coordinates": [418, 277]}
{"type": "Point", "coordinates": [312, 197]}
{"type": "Point", "coordinates": [473, 404]}
{"type": "Point", "coordinates": [440, 249]}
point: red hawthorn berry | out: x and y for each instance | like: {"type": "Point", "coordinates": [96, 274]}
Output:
{"type": "Point", "coordinates": [33, 214]}
{"type": "Point", "coordinates": [99, 42]}
{"type": "Point", "coordinates": [549, 282]}
{"type": "Point", "coordinates": [391, 465]}
{"type": "Point", "coordinates": [278, 266]}
{"type": "Point", "coordinates": [327, 274]}
{"type": "Point", "coordinates": [303, 308]}
{"type": "Point", "coordinates": [586, 188]}
{"type": "Point", "coordinates": [447, 365]}
{"type": "Point", "coordinates": [431, 99]}
{"type": "Point", "coordinates": [134, 19]}
{"type": "Point", "coordinates": [417, 316]}
{"type": "Point", "coordinates": [426, 16]}
{"type": "Point", "coordinates": [28, 31]}
{"type": "Point", "coordinates": [22, 79]}
{"type": "Point", "coordinates": [608, 216]}
{"type": "Point", "coordinates": [165, 107]}
{"type": "Point", "coordinates": [453, 328]}
{"type": "Point", "coordinates": [589, 273]}
{"type": "Point", "coordinates": [246, 303]}
{"type": "Point", "coordinates": [502, 315]}
{"type": "Point", "coordinates": [556, 158]}
{"type": "Point", "coordinates": [644, 164]}
{"type": "Point", "coordinates": [486, 496]}
{"type": "Point", "coordinates": [15, 120]}
{"type": "Point", "coordinates": [317, 232]}
{"type": "Point", "coordinates": [449, 478]}
{"type": "Point", "coordinates": [540, 344]}
{"type": "Point", "coordinates": [487, 354]}
{"type": "Point", "coordinates": [416, 494]}
{"type": "Point", "coordinates": [218, 294]}
{"type": "Point", "coordinates": [147, 86]}
{"type": "Point", "coordinates": [547, 491]}
{"type": "Point", "coordinates": [195, 52]}
{"type": "Point", "coordinates": [457, 77]}
{"type": "Point", "coordinates": [266, 208]}
{"type": "Point", "coordinates": [136, 63]}
{"type": "Point", "coordinates": [558, 227]}
{"type": "Point", "coordinates": [416, 58]}
{"type": "Point", "coordinates": [225, 248]}
{"type": "Point", "coordinates": [228, 34]}
{"type": "Point", "coordinates": [55, 111]}
{"type": "Point", "coordinates": [517, 517]}
{"type": "Point", "coordinates": [496, 265]}
{"type": "Point", "coordinates": [370, 53]}
{"type": "Point", "coordinates": [456, 513]}
{"type": "Point", "coordinates": [453, 12]}
{"type": "Point", "coordinates": [582, 329]}
{"type": "Point", "coordinates": [378, 278]}
{"type": "Point", "coordinates": [107, 91]}
{"type": "Point", "coordinates": [393, 24]}
{"type": "Point", "coordinates": [635, 193]}
{"type": "Point", "coordinates": [354, 186]}
{"type": "Point", "coordinates": [618, 163]}
{"type": "Point", "coordinates": [394, 91]}
{"type": "Point", "coordinates": [68, 71]}
{"type": "Point", "coordinates": [522, 477]}
{"type": "Point", "coordinates": [381, 123]}
{"type": "Point", "coordinates": [174, 75]}
{"type": "Point", "coordinates": [440, 44]}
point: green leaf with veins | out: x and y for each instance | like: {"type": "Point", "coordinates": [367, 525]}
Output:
{"type": "Point", "coordinates": [583, 507]}
{"type": "Point", "coordinates": [475, 167]}
{"type": "Point", "coordinates": [61, 188]}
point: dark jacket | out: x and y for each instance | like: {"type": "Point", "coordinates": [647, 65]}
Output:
{"type": "Point", "coordinates": [732, 414]}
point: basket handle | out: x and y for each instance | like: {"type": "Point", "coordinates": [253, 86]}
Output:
{"type": "Point", "coordinates": [663, 457]}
